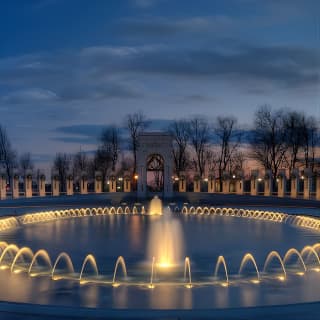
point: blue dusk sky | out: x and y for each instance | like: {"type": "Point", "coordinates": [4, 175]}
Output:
{"type": "Point", "coordinates": [70, 67]}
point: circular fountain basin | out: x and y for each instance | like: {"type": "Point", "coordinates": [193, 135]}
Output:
{"type": "Point", "coordinates": [225, 259]}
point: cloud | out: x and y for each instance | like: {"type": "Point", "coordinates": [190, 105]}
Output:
{"type": "Point", "coordinates": [164, 27]}
{"type": "Point", "coordinates": [29, 95]}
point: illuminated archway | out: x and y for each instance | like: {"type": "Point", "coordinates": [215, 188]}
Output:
{"type": "Point", "coordinates": [154, 162]}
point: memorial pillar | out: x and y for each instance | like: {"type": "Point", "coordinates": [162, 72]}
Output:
{"type": "Point", "coordinates": [268, 183]}
{"type": "Point", "coordinates": [83, 183]}
{"type": "Point", "coordinates": [15, 185]}
{"type": "Point", "coordinates": [307, 183]}
{"type": "Point", "coordinates": [55, 184]}
{"type": "Point", "coordinates": [253, 182]}
{"type": "Point", "coordinates": [196, 183]}
{"type": "Point", "coordinates": [127, 182]}
{"type": "Point", "coordinates": [3, 185]}
{"type": "Point", "coordinates": [318, 186]}
{"type": "Point", "coordinates": [112, 183]}
{"type": "Point", "coordinates": [28, 184]}
{"type": "Point", "coordinates": [97, 182]}
{"type": "Point", "coordinates": [239, 182]}
{"type": "Point", "coordinates": [282, 182]}
{"type": "Point", "coordinates": [182, 182]}
{"type": "Point", "coordinates": [69, 184]}
{"type": "Point", "coordinates": [225, 183]}
{"type": "Point", "coordinates": [211, 183]}
{"type": "Point", "coordinates": [294, 184]}
{"type": "Point", "coordinates": [42, 185]}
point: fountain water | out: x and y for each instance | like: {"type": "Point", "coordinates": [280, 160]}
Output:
{"type": "Point", "coordinates": [155, 206]}
{"type": "Point", "coordinates": [165, 238]}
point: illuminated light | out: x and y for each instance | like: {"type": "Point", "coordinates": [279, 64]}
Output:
{"type": "Point", "coordinates": [4, 267]}
{"type": "Point", "coordinates": [281, 278]}
{"type": "Point", "coordinates": [189, 285]}
{"type": "Point", "coordinates": [118, 187]}
{"type": "Point", "coordinates": [316, 269]}
{"type": "Point", "coordinates": [56, 278]}
{"type": "Point", "coordinates": [259, 179]}
{"type": "Point", "coordinates": [206, 179]}
{"type": "Point", "coordinates": [17, 271]}
{"type": "Point", "coordinates": [164, 265]}
{"type": "Point", "coordinates": [136, 177]}
{"type": "Point", "coordinates": [300, 274]}
{"type": "Point", "coordinates": [233, 176]}
{"type": "Point", "coordinates": [225, 284]}
{"type": "Point", "coordinates": [108, 182]}
{"type": "Point", "coordinates": [116, 284]}
{"type": "Point", "coordinates": [83, 281]}
{"type": "Point", "coordinates": [176, 179]}
{"type": "Point", "coordinates": [32, 275]}
{"type": "Point", "coordinates": [120, 179]}
{"type": "Point", "coordinates": [255, 281]}
{"type": "Point", "coordinates": [302, 177]}
{"type": "Point", "coordinates": [151, 286]}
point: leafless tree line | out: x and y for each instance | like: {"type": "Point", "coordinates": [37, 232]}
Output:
{"type": "Point", "coordinates": [278, 139]}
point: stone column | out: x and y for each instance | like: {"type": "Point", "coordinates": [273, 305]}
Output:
{"type": "Point", "coordinates": [15, 185]}
{"type": "Point", "coordinates": [295, 181]}
{"type": "Point", "coordinates": [182, 182]}
{"type": "Point", "coordinates": [211, 183]}
{"type": "Point", "coordinates": [318, 186]}
{"type": "Point", "coordinates": [268, 183]}
{"type": "Point", "coordinates": [112, 183]}
{"type": "Point", "coordinates": [83, 183]}
{"type": "Point", "coordinates": [3, 185]}
{"type": "Point", "coordinates": [254, 182]}
{"type": "Point", "coordinates": [238, 182]}
{"type": "Point", "coordinates": [126, 182]}
{"type": "Point", "coordinates": [97, 182]}
{"type": "Point", "coordinates": [307, 183]}
{"type": "Point", "coordinates": [196, 183]}
{"type": "Point", "coordinates": [28, 184]}
{"type": "Point", "coordinates": [282, 182]}
{"type": "Point", "coordinates": [55, 184]}
{"type": "Point", "coordinates": [69, 184]}
{"type": "Point", "coordinates": [42, 185]}
{"type": "Point", "coordinates": [225, 183]}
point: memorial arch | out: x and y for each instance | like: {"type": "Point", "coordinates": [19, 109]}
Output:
{"type": "Point", "coordinates": [154, 155]}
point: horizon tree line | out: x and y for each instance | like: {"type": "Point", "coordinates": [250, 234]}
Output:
{"type": "Point", "coordinates": [278, 139]}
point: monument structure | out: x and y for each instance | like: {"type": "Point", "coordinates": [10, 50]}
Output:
{"type": "Point", "coordinates": [154, 155]}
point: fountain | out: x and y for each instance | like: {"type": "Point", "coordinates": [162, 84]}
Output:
{"type": "Point", "coordinates": [155, 206]}
{"type": "Point", "coordinates": [132, 250]}
{"type": "Point", "coordinates": [165, 241]}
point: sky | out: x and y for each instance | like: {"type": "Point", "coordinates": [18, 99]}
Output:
{"type": "Point", "coordinates": [70, 68]}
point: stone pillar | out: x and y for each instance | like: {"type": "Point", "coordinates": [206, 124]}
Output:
{"type": "Point", "coordinates": [318, 186]}
{"type": "Point", "coordinates": [295, 181]}
{"type": "Point", "coordinates": [28, 184]}
{"type": "Point", "coordinates": [112, 183]}
{"type": "Point", "coordinates": [254, 182]}
{"type": "Point", "coordinates": [238, 182]}
{"type": "Point", "coordinates": [69, 184]}
{"type": "Point", "coordinates": [225, 183]}
{"type": "Point", "coordinates": [15, 185]}
{"type": "Point", "coordinates": [97, 182]}
{"type": "Point", "coordinates": [268, 183]}
{"type": "Point", "coordinates": [196, 183]}
{"type": "Point", "coordinates": [42, 185]}
{"type": "Point", "coordinates": [182, 182]}
{"type": "Point", "coordinates": [282, 182]}
{"type": "Point", "coordinates": [83, 183]}
{"type": "Point", "coordinates": [307, 183]}
{"type": "Point", "coordinates": [211, 183]}
{"type": "Point", "coordinates": [3, 185]}
{"type": "Point", "coordinates": [126, 182]}
{"type": "Point", "coordinates": [55, 184]}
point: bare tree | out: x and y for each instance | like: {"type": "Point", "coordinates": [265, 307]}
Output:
{"type": "Point", "coordinates": [61, 164]}
{"type": "Point", "coordinates": [25, 163]}
{"type": "Point", "coordinates": [199, 137]}
{"type": "Point", "coordinates": [294, 123]}
{"type": "Point", "coordinates": [110, 142]}
{"type": "Point", "coordinates": [180, 131]}
{"type": "Point", "coordinates": [310, 138]}
{"type": "Point", "coordinates": [7, 154]}
{"type": "Point", "coordinates": [80, 163]}
{"type": "Point", "coordinates": [268, 142]}
{"type": "Point", "coordinates": [229, 139]}
{"type": "Point", "coordinates": [136, 123]}
{"type": "Point", "coordinates": [102, 162]}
